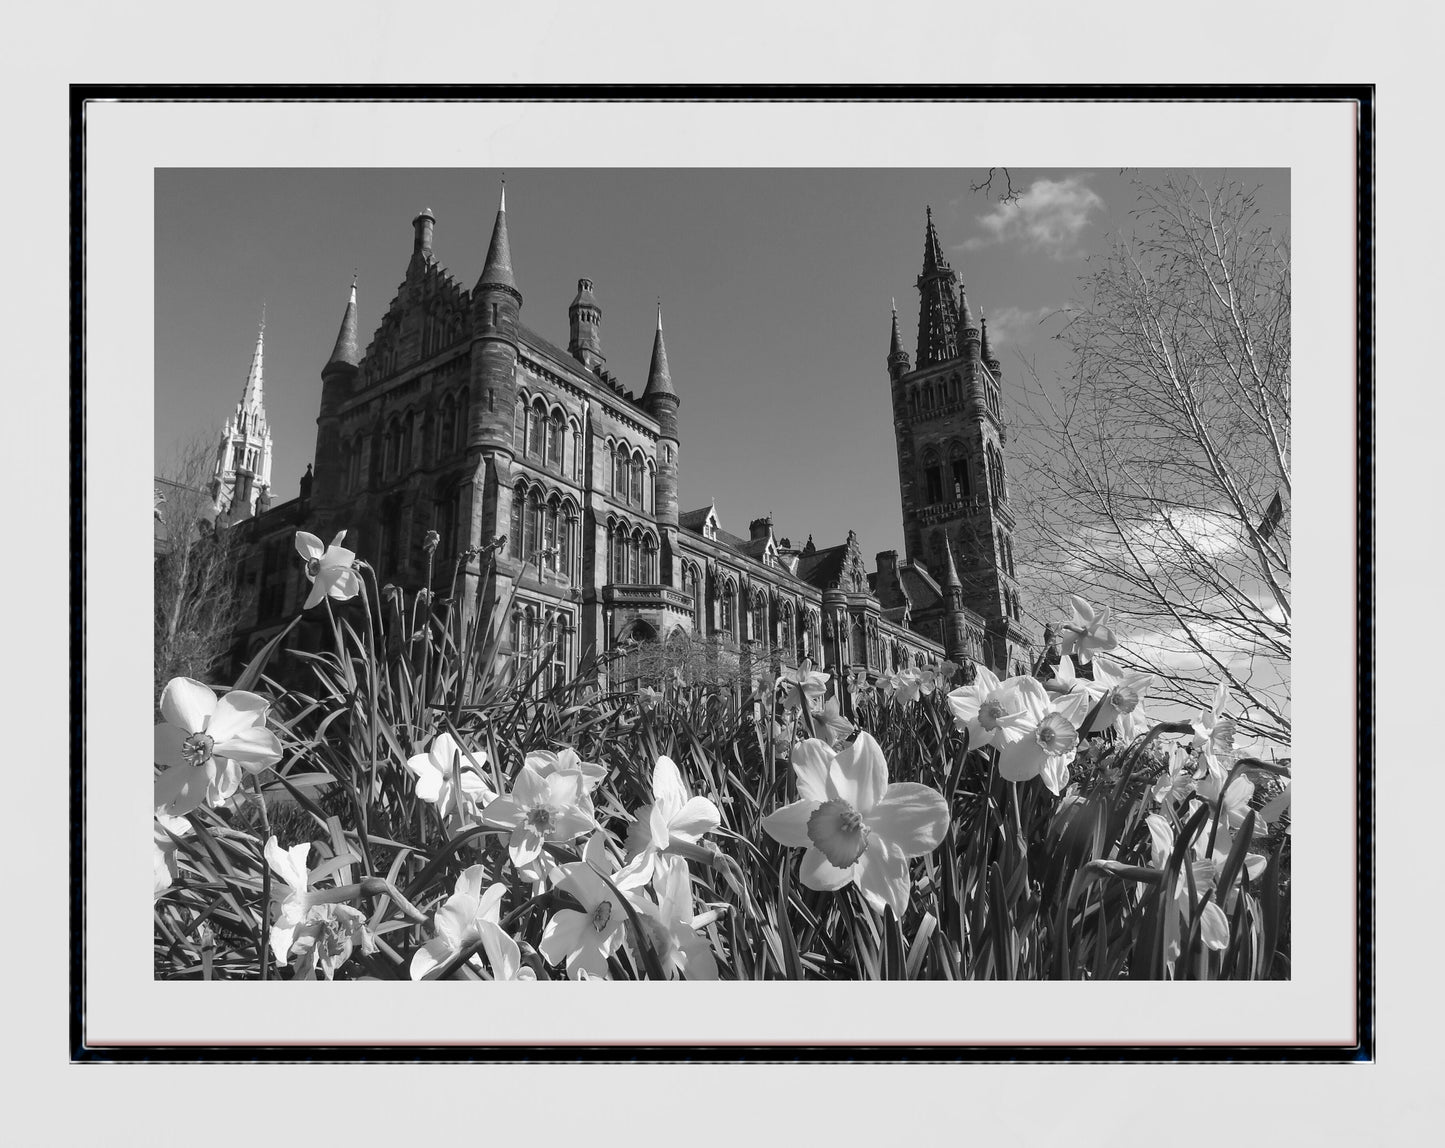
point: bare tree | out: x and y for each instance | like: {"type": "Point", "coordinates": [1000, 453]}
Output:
{"type": "Point", "coordinates": [196, 599]}
{"type": "Point", "coordinates": [1160, 471]}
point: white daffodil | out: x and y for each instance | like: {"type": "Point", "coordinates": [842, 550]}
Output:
{"type": "Point", "coordinates": [1122, 695]}
{"type": "Point", "coordinates": [672, 926]}
{"type": "Point", "coordinates": [566, 760]}
{"type": "Point", "coordinates": [674, 814]}
{"type": "Point", "coordinates": [1087, 632]}
{"type": "Point", "coordinates": [828, 719]}
{"type": "Point", "coordinates": [329, 568]}
{"type": "Point", "coordinates": [1073, 696]}
{"type": "Point", "coordinates": [458, 922]}
{"type": "Point", "coordinates": [204, 743]}
{"type": "Point", "coordinates": [1213, 732]}
{"type": "Point", "coordinates": [290, 866]}
{"type": "Point", "coordinates": [855, 826]}
{"type": "Point", "coordinates": [583, 940]}
{"type": "Point", "coordinates": [540, 810]}
{"type": "Point", "coordinates": [803, 686]}
{"type": "Point", "coordinates": [504, 955]}
{"type": "Point", "coordinates": [166, 867]}
{"type": "Point", "coordinates": [992, 711]}
{"type": "Point", "coordinates": [1045, 745]}
{"type": "Point", "coordinates": [443, 762]}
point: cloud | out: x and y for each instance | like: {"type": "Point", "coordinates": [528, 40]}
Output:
{"type": "Point", "coordinates": [1014, 325]}
{"type": "Point", "coordinates": [1048, 217]}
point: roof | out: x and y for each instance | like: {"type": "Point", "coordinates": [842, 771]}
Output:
{"type": "Point", "coordinates": [823, 567]}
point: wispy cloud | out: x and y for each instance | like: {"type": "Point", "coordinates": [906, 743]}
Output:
{"type": "Point", "coordinates": [1048, 217]}
{"type": "Point", "coordinates": [1014, 325]}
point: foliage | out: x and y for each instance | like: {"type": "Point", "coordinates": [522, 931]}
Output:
{"type": "Point", "coordinates": [196, 599]}
{"type": "Point", "coordinates": [1161, 467]}
{"type": "Point", "coordinates": [350, 856]}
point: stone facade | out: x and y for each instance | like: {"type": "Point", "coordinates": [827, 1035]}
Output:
{"type": "Point", "coordinates": [459, 419]}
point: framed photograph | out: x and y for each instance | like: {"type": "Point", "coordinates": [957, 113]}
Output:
{"type": "Point", "coordinates": [842, 545]}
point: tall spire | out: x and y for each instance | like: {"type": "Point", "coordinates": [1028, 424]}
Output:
{"type": "Point", "coordinates": [938, 308]}
{"type": "Point", "coordinates": [950, 571]}
{"type": "Point", "coordinates": [986, 351]}
{"type": "Point", "coordinates": [345, 354]}
{"type": "Point", "coordinates": [252, 396]}
{"type": "Point", "coordinates": [895, 341]}
{"type": "Point", "coordinates": [967, 322]}
{"type": "Point", "coordinates": [659, 378]}
{"type": "Point", "coordinates": [497, 271]}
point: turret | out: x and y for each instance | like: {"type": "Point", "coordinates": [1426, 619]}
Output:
{"type": "Point", "coordinates": [897, 356]}
{"type": "Point", "coordinates": [584, 319]}
{"type": "Point", "coordinates": [661, 402]}
{"type": "Point", "coordinates": [496, 318]}
{"type": "Point", "coordinates": [955, 629]}
{"type": "Point", "coordinates": [423, 226]}
{"type": "Point", "coordinates": [989, 358]}
{"type": "Point", "coordinates": [338, 378]}
{"type": "Point", "coordinates": [968, 327]}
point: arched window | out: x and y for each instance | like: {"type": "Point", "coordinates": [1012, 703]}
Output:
{"type": "Point", "coordinates": [459, 433]}
{"type": "Point", "coordinates": [536, 432]}
{"type": "Point", "coordinates": [566, 540]}
{"type": "Point", "coordinates": [555, 426]}
{"type": "Point", "coordinates": [759, 621]}
{"type": "Point", "coordinates": [649, 560]}
{"type": "Point", "coordinates": [346, 465]}
{"type": "Point", "coordinates": [620, 472]}
{"type": "Point", "coordinates": [519, 510]}
{"type": "Point", "coordinates": [859, 645]}
{"type": "Point", "coordinates": [1008, 544]}
{"type": "Point", "coordinates": [619, 554]}
{"type": "Point", "coordinates": [958, 466]}
{"type": "Point", "coordinates": [785, 627]}
{"type": "Point", "coordinates": [393, 447]}
{"type": "Point", "coordinates": [576, 453]}
{"type": "Point", "coordinates": [519, 428]}
{"type": "Point", "coordinates": [727, 600]}
{"type": "Point", "coordinates": [549, 533]}
{"type": "Point", "coordinates": [408, 432]}
{"type": "Point", "coordinates": [932, 476]}
{"type": "Point", "coordinates": [636, 489]}
{"type": "Point", "coordinates": [689, 581]}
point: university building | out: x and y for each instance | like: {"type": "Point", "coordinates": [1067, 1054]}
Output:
{"type": "Point", "coordinates": [457, 418]}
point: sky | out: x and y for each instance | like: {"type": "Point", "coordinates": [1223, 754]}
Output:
{"type": "Point", "coordinates": [775, 285]}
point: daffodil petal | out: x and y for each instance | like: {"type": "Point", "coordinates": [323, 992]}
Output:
{"type": "Point", "coordinates": [503, 813]}
{"type": "Point", "coordinates": [308, 545]}
{"type": "Point", "coordinates": [669, 793]}
{"type": "Point", "coordinates": [789, 825]}
{"type": "Point", "coordinates": [911, 816]}
{"type": "Point", "coordinates": [187, 703]}
{"type": "Point", "coordinates": [817, 872]}
{"type": "Point", "coordinates": [170, 743]}
{"type": "Point", "coordinates": [811, 760]}
{"type": "Point", "coordinates": [562, 935]}
{"type": "Point", "coordinates": [1214, 926]}
{"type": "Point", "coordinates": [429, 958]}
{"type": "Point", "coordinates": [1021, 760]}
{"type": "Point", "coordinates": [882, 875]}
{"type": "Point", "coordinates": [697, 817]}
{"type": "Point", "coordinates": [254, 748]}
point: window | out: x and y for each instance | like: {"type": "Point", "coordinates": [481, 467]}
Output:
{"type": "Point", "coordinates": [759, 620]}
{"type": "Point", "coordinates": [933, 480]}
{"type": "Point", "coordinates": [859, 646]}
{"type": "Point", "coordinates": [566, 545]}
{"type": "Point", "coordinates": [576, 455]}
{"type": "Point", "coordinates": [617, 538]}
{"type": "Point", "coordinates": [726, 621]}
{"type": "Point", "coordinates": [519, 429]}
{"type": "Point", "coordinates": [554, 442]}
{"type": "Point", "coordinates": [549, 533]}
{"type": "Point", "coordinates": [536, 430]}
{"type": "Point", "coordinates": [636, 486]}
{"type": "Point", "coordinates": [446, 426]}
{"type": "Point", "coordinates": [519, 505]}
{"type": "Point", "coordinates": [649, 560]}
{"type": "Point", "coordinates": [408, 428]}
{"type": "Point", "coordinates": [619, 473]}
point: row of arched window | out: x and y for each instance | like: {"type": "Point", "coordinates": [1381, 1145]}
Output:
{"type": "Point", "coordinates": [631, 554]}
{"type": "Point", "coordinates": [443, 435]}
{"type": "Point", "coordinates": [440, 331]}
{"type": "Point", "coordinates": [540, 434]}
{"type": "Point", "coordinates": [946, 484]}
{"type": "Point", "coordinates": [544, 528]}
{"type": "Point", "coordinates": [935, 394]}
{"type": "Point", "coordinates": [634, 477]}
{"type": "Point", "coordinates": [541, 635]}
{"type": "Point", "coordinates": [997, 483]}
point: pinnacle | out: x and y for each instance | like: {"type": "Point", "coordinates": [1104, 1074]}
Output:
{"type": "Point", "coordinates": [497, 271]}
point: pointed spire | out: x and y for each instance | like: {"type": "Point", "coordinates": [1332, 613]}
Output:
{"type": "Point", "coordinates": [659, 378]}
{"type": "Point", "coordinates": [252, 396]}
{"type": "Point", "coordinates": [497, 271]}
{"type": "Point", "coordinates": [938, 309]}
{"type": "Point", "coordinates": [986, 351]}
{"type": "Point", "coordinates": [345, 354]}
{"type": "Point", "coordinates": [950, 571]}
{"type": "Point", "coordinates": [967, 321]}
{"type": "Point", "coordinates": [895, 341]}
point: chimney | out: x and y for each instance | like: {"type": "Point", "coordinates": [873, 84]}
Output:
{"type": "Point", "coordinates": [423, 225]}
{"type": "Point", "coordinates": [760, 528]}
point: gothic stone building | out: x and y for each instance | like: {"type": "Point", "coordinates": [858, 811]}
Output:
{"type": "Point", "coordinates": [459, 419]}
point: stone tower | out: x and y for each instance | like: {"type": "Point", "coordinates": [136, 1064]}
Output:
{"type": "Point", "coordinates": [242, 475]}
{"type": "Point", "coordinates": [948, 423]}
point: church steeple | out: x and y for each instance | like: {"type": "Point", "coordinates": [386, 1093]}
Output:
{"type": "Point", "coordinates": [938, 310]}
{"type": "Point", "coordinates": [989, 358]}
{"type": "Point", "coordinates": [242, 474]}
{"type": "Point", "coordinates": [252, 396]}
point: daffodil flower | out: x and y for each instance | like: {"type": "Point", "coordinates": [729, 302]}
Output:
{"type": "Point", "coordinates": [434, 776]}
{"type": "Point", "coordinates": [325, 940]}
{"type": "Point", "coordinates": [546, 763]}
{"type": "Point", "coordinates": [204, 743]}
{"type": "Point", "coordinates": [330, 569]}
{"type": "Point", "coordinates": [803, 686]}
{"type": "Point", "coordinates": [1213, 732]}
{"type": "Point", "coordinates": [829, 719]}
{"type": "Point", "coordinates": [166, 867]}
{"type": "Point", "coordinates": [458, 922]}
{"type": "Point", "coordinates": [504, 955]}
{"type": "Point", "coordinates": [540, 810]}
{"type": "Point", "coordinates": [674, 814]}
{"type": "Point", "coordinates": [908, 684]}
{"type": "Point", "coordinates": [290, 866]}
{"type": "Point", "coordinates": [992, 711]}
{"type": "Point", "coordinates": [1087, 632]}
{"type": "Point", "coordinates": [858, 683]}
{"type": "Point", "coordinates": [1074, 696]}
{"type": "Point", "coordinates": [583, 940]}
{"type": "Point", "coordinates": [1046, 744]}
{"type": "Point", "coordinates": [1122, 695]}
{"type": "Point", "coordinates": [671, 925]}
{"type": "Point", "coordinates": [855, 826]}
